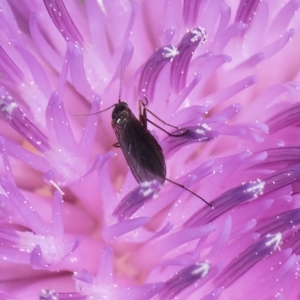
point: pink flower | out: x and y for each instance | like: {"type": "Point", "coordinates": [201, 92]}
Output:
{"type": "Point", "coordinates": [75, 224]}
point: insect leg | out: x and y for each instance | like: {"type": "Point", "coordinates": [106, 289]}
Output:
{"type": "Point", "coordinates": [142, 113]}
{"type": "Point", "coordinates": [168, 133]}
{"type": "Point", "coordinates": [146, 99]}
{"type": "Point", "coordinates": [185, 188]}
{"type": "Point", "coordinates": [117, 145]}
{"type": "Point", "coordinates": [154, 115]}
{"type": "Point", "coordinates": [158, 118]}
{"type": "Point", "coordinates": [143, 119]}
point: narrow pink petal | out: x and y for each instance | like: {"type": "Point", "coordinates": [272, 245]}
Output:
{"type": "Point", "coordinates": [54, 59]}
{"type": "Point", "coordinates": [105, 270]}
{"type": "Point", "coordinates": [190, 11]}
{"type": "Point", "coordinates": [123, 227]}
{"type": "Point", "coordinates": [33, 219]}
{"type": "Point", "coordinates": [37, 71]}
{"type": "Point", "coordinates": [97, 26]}
{"type": "Point", "coordinates": [62, 20]}
{"type": "Point", "coordinates": [6, 163]}
{"type": "Point", "coordinates": [90, 129]}
{"type": "Point", "coordinates": [57, 119]}
{"type": "Point", "coordinates": [275, 47]}
{"type": "Point", "coordinates": [77, 71]}
{"type": "Point", "coordinates": [57, 217]}
{"type": "Point", "coordinates": [284, 17]}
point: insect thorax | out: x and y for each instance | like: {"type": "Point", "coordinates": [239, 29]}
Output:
{"type": "Point", "coordinates": [120, 114]}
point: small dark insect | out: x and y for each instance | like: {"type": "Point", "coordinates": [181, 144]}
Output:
{"type": "Point", "coordinates": [142, 152]}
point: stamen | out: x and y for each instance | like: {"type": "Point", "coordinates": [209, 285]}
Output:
{"type": "Point", "coordinates": [249, 257]}
{"type": "Point", "coordinates": [184, 278]}
{"type": "Point", "coordinates": [152, 69]}
{"type": "Point", "coordinates": [181, 63]}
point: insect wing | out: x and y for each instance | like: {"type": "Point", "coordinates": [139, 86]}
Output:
{"type": "Point", "coordinates": [142, 152]}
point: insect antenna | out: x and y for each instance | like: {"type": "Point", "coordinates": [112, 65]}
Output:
{"type": "Point", "coordinates": [121, 79]}
{"type": "Point", "coordinates": [95, 113]}
{"type": "Point", "coordinates": [168, 133]}
{"type": "Point", "coordinates": [185, 188]}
